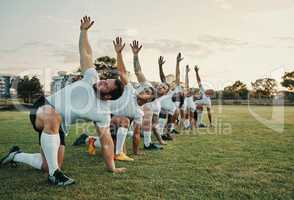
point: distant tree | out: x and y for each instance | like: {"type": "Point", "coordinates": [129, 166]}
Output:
{"type": "Point", "coordinates": [288, 80]}
{"type": "Point", "coordinates": [105, 67]}
{"type": "Point", "coordinates": [264, 87]}
{"type": "Point", "coordinates": [105, 60]}
{"type": "Point", "coordinates": [79, 70]}
{"type": "Point", "coordinates": [28, 89]}
{"type": "Point", "coordinates": [236, 91]}
{"type": "Point", "coordinates": [218, 94]}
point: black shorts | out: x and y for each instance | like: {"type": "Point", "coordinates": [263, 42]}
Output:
{"type": "Point", "coordinates": [41, 102]}
{"type": "Point", "coordinates": [195, 115]}
{"type": "Point", "coordinates": [162, 115]}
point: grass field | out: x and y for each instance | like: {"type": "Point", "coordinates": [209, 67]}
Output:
{"type": "Point", "coordinates": [239, 159]}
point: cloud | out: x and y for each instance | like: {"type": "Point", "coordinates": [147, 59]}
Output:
{"type": "Point", "coordinates": [126, 33]}
{"type": "Point", "coordinates": [68, 53]}
{"type": "Point", "coordinates": [221, 42]}
{"type": "Point", "coordinates": [56, 19]}
{"type": "Point", "coordinates": [175, 46]}
{"type": "Point", "coordinates": [224, 4]}
{"type": "Point", "coordinates": [203, 46]}
{"type": "Point", "coordinates": [285, 38]}
{"type": "Point", "coordinates": [27, 46]}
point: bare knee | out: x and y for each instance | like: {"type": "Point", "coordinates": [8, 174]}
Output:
{"type": "Point", "coordinates": [49, 118]}
{"type": "Point", "coordinates": [125, 122]}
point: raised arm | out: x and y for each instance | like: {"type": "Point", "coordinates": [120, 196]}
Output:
{"type": "Point", "coordinates": [86, 58]}
{"type": "Point", "coordinates": [137, 67]}
{"type": "Point", "coordinates": [118, 47]}
{"type": "Point", "coordinates": [161, 61]}
{"type": "Point", "coordinates": [187, 77]}
{"type": "Point", "coordinates": [179, 59]}
{"type": "Point", "coordinates": [196, 68]}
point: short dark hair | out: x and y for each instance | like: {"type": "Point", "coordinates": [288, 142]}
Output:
{"type": "Point", "coordinates": [115, 94]}
{"type": "Point", "coordinates": [118, 91]}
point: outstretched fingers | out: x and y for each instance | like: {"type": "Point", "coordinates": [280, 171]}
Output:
{"type": "Point", "coordinates": [161, 60]}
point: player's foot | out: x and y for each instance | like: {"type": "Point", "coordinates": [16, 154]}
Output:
{"type": "Point", "coordinates": [123, 157]}
{"type": "Point", "coordinates": [10, 156]}
{"type": "Point", "coordinates": [153, 146]}
{"type": "Point", "coordinates": [167, 137]}
{"type": "Point", "coordinates": [162, 142]}
{"type": "Point", "coordinates": [60, 179]}
{"type": "Point", "coordinates": [81, 140]}
{"type": "Point", "coordinates": [201, 126]}
{"type": "Point", "coordinates": [174, 131]}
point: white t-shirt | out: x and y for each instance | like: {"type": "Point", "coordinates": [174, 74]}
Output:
{"type": "Point", "coordinates": [205, 100]}
{"type": "Point", "coordinates": [167, 105]}
{"type": "Point", "coordinates": [189, 104]}
{"type": "Point", "coordinates": [79, 101]}
{"type": "Point", "coordinates": [127, 105]}
{"type": "Point", "coordinates": [155, 106]}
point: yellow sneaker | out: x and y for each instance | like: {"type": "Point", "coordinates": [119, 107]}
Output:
{"type": "Point", "coordinates": [123, 157]}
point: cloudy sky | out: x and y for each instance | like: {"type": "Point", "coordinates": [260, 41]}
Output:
{"type": "Point", "coordinates": [229, 39]}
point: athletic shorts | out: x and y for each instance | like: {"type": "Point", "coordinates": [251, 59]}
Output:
{"type": "Point", "coordinates": [33, 115]}
{"type": "Point", "coordinates": [113, 127]}
{"type": "Point", "coordinates": [163, 115]}
{"type": "Point", "coordinates": [195, 115]}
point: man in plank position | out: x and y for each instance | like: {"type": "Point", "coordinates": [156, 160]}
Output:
{"type": "Point", "coordinates": [52, 116]}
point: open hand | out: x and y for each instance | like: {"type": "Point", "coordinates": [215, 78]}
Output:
{"type": "Point", "coordinates": [187, 68]}
{"type": "Point", "coordinates": [86, 23]}
{"type": "Point", "coordinates": [161, 60]}
{"type": "Point", "coordinates": [136, 47]}
{"type": "Point", "coordinates": [196, 68]}
{"type": "Point", "coordinates": [118, 45]}
{"type": "Point", "coordinates": [179, 57]}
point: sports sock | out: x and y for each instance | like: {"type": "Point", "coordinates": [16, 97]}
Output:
{"type": "Point", "coordinates": [120, 139]}
{"type": "Point", "coordinates": [161, 122]}
{"type": "Point", "coordinates": [50, 145]}
{"type": "Point", "coordinates": [32, 159]}
{"type": "Point", "coordinates": [147, 138]}
{"type": "Point", "coordinates": [199, 118]}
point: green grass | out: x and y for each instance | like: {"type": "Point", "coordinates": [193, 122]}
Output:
{"type": "Point", "coordinates": [243, 159]}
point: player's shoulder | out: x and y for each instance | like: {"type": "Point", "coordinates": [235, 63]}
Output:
{"type": "Point", "coordinates": [90, 75]}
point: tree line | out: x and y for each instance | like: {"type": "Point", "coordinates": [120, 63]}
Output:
{"type": "Point", "coordinates": [261, 88]}
{"type": "Point", "coordinates": [29, 89]}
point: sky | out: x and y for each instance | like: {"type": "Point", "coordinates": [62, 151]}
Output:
{"type": "Point", "coordinates": [228, 39]}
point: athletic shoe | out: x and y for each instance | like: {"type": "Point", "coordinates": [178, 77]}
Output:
{"type": "Point", "coordinates": [174, 131]}
{"type": "Point", "coordinates": [153, 146]}
{"type": "Point", "coordinates": [123, 157]}
{"type": "Point", "coordinates": [167, 136]}
{"type": "Point", "coordinates": [202, 126]}
{"type": "Point", "coordinates": [60, 179]}
{"type": "Point", "coordinates": [81, 140]}
{"type": "Point", "coordinates": [10, 156]}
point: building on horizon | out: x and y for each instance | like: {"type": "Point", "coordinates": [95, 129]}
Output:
{"type": "Point", "coordinates": [63, 79]}
{"type": "Point", "coordinates": [8, 85]}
